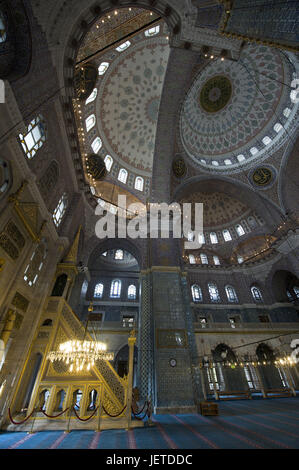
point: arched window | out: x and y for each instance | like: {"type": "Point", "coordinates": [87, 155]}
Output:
{"type": "Point", "coordinates": [216, 260]}
{"type": "Point", "coordinates": [103, 67]}
{"type": "Point", "coordinates": [115, 289]}
{"type": "Point", "coordinates": [2, 28]}
{"type": "Point", "coordinates": [256, 294]}
{"type": "Point", "coordinates": [60, 210]}
{"type": "Point", "coordinates": [90, 122]}
{"type": "Point", "coordinates": [98, 290]}
{"type": "Point", "coordinates": [213, 291]}
{"type": "Point", "coordinates": [213, 237]}
{"type": "Point", "coordinates": [96, 145]}
{"type": "Point", "coordinates": [108, 162]}
{"type": "Point", "coordinates": [240, 158]}
{"type": "Point", "coordinates": [192, 259]}
{"type": "Point", "coordinates": [201, 238]}
{"type": "Point", "coordinates": [266, 140]}
{"type": "Point", "coordinates": [196, 293]}
{"type": "Point", "coordinates": [296, 291]}
{"type": "Point", "coordinates": [204, 258]}
{"type": "Point", "coordinates": [239, 229]}
{"type": "Point", "coordinates": [277, 127]}
{"type": "Point", "coordinates": [152, 31]}
{"type": "Point", "coordinates": [119, 254]}
{"type": "Point", "coordinates": [286, 112]}
{"type": "Point", "coordinates": [227, 162]}
{"type": "Point", "coordinates": [132, 292]}
{"type": "Point", "coordinates": [35, 264]}
{"type": "Point", "coordinates": [253, 150]}
{"type": "Point", "coordinates": [226, 235]}
{"type": "Point", "coordinates": [92, 96]}
{"type": "Point", "coordinates": [139, 182]}
{"type": "Point", "coordinates": [190, 236]}
{"type": "Point", "coordinates": [35, 137]}
{"type": "Point", "coordinates": [231, 294]}
{"type": "Point", "coordinates": [123, 175]}
{"type": "Point", "coordinates": [123, 46]}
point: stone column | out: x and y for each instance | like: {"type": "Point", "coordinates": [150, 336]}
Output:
{"type": "Point", "coordinates": [145, 339]}
{"type": "Point", "coordinates": [131, 342]}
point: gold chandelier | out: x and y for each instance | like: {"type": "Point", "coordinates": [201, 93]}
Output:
{"type": "Point", "coordinates": [81, 355]}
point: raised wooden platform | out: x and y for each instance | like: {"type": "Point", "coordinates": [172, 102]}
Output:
{"type": "Point", "coordinates": [278, 392]}
{"type": "Point", "coordinates": [234, 395]}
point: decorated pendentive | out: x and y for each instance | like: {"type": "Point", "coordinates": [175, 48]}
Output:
{"type": "Point", "coordinates": [263, 176]}
{"type": "Point", "coordinates": [96, 167]}
{"type": "Point", "coordinates": [85, 79]}
{"type": "Point", "coordinates": [179, 167]}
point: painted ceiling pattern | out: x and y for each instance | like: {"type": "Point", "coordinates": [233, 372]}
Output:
{"type": "Point", "coordinates": [128, 102]}
{"type": "Point", "coordinates": [113, 27]}
{"type": "Point", "coordinates": [218, 208]}
{"type": "Point", "coordinates": [232, 106]}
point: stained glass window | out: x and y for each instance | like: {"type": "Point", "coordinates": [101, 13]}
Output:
{"type": "Point", "coordinates": [132, 292]}
{"type": "Point", "coordinates": [214, 293]}
{"type": "Point", "coordinates": [115, 289]}
{"type": "Point", "coordinates": [152, 31]}
{"type": "Point", "coordinates": [103, 67]}
{"type": "Point", "coordinates": [90, 122]}
{"type": "Point", "coordinates": [96, 145]}
{"type": "Point", "coordinates": [123, 175]}
{"type": "Point", "coordinates": [60, 210]}
{"type": "Point", "coordinates": [256, 294]}
{"type": "Point", "coordinates": [108, 162]}
{"type": "Point", "coordinates": [231, 294]}
{"type": "Point", "coordinates": [35, 137]}
{"type": "Point", "coordinates": [98, 290]}
{"type": "Point", "coordinates": [139, 183]}
{"type": "Point", "coordinates": [196, 293]}
{"type": "Point", "coordinates": [123, 46]}
{"type": "Point", "coordinates": [92, 96]}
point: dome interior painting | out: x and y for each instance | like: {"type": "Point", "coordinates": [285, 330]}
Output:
{"type": "Point", "coordinates": [236, 112]}
{"type": "Point", "coordinates": [122, 123]}
{"type": "Point", "coordinates": [130, 50]}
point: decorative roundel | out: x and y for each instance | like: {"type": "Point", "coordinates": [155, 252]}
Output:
{"type": "Point", "coordinates": [85, 79]}
{"type": "Point", "coordinates": [172, 362]}
{"type": "Point", "coordinates": [215, 94]}
{"type": "Point", "coordinates": [263, 176]}
{"type": "Point", "coordinates": [230, 113]}
{"type": "Point", "coordinates": [96, 167]}
{"type": "Point", "coordinates": [179, 167]}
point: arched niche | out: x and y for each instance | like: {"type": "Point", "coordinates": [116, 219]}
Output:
{"type": "Point", "coordinates": [59, 285]}
{"type": "Point", "coordinates": [121, 362]}
{"type": "Point", "coordinates": [283, 284]}
{"type": "Point", "coordinates": [264, 207]}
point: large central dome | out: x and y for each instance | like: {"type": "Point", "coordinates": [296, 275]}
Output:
{"type": "Point", "coordinates": [235, 111]}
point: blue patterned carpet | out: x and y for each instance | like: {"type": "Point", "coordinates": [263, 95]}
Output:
{"type": "Point", "coordinates": [241, 424]}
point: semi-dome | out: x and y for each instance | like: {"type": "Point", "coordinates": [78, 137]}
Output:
{"type": "Point", "coordinates": [239, 111]}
